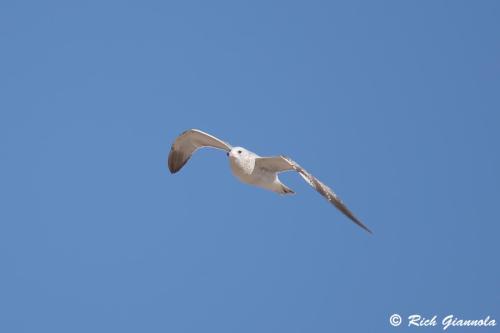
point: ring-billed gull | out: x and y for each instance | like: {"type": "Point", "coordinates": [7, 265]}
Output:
{"type": "Point", "coordinates": [251, 168]}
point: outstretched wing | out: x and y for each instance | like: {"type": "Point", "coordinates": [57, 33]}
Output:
{"type": "Point", "coordinates": [283, 163]}
{"type": "Point", "coordinates": [187, 143]}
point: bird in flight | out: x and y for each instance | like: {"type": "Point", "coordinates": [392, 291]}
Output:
{"type": "Point", "coordinates": [251, 168]}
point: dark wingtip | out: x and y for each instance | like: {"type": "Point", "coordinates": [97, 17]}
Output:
{"type": "Point", "coordinates": [358, 222]}
{"type": "Point", "coordinates": [176, 161]}
{"type": "Point", "coordinates": [172, 171]}
{"type": "Point", "coordinates": [171, 167]}
{"type": "Point", "coordinates": [361, 224]}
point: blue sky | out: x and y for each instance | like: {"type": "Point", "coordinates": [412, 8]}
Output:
{"type": "Point", "coordinates": [394, 104]}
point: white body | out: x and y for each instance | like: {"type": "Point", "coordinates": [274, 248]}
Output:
{"type": "Point", "coordinates": [242, 163]}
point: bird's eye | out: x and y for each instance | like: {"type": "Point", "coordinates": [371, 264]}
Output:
{"type": "Point", "coordinates": [239, 151]}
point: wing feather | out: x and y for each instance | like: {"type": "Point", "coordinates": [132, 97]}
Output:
{"type": "Point", "coordinates": [283, 163]}
{"type": "Point", "coordinates": [187, 143]}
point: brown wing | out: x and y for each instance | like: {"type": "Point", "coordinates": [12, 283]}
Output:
{"type": "Point", "coordinates": [274, 163]}
{"type": "Point", "coordinates": [187, 143]}
{"type": "Point", "coordinates": [322, 189]}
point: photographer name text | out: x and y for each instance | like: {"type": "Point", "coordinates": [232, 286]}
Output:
{"type": "Point", "coordinates": [448, 321]}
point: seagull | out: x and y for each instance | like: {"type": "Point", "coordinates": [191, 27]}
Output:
{"type": "Point", "coordinates": [251, 168]}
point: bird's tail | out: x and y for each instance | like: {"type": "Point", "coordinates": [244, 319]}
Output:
{"type": "Point", "coordinates": [286, 190]}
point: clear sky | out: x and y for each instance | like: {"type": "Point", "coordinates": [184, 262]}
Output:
{"type": "Point", "coordinates": [394, 104]}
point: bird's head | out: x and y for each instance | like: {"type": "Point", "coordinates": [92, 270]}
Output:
{"type": "Point", "coordinates": [238, 153]}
